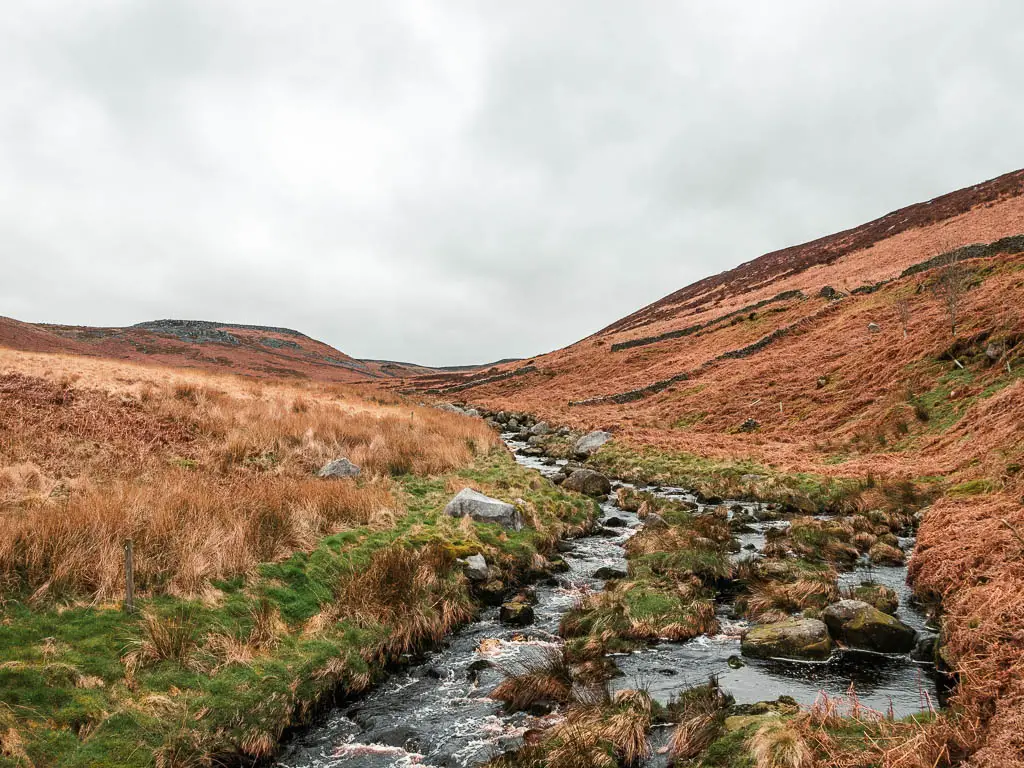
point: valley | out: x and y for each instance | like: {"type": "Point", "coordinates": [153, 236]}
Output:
{"type": "Point", "coordinates": [772, 519]}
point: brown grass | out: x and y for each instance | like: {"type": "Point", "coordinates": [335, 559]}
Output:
{"type": "Point", "coordinates": [207, 475]}
{"type": "Point", "coordinates": [546, 678]}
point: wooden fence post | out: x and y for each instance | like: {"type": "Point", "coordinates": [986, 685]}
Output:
{"type": "Point", "coordinates": [129, 578]}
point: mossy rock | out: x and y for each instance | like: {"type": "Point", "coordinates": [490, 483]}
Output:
{"type": "Point", "coordinates": [881, 597]}
{"type": "Point", "coordinates": [860, 625]}
{"type": "Point", "coordinates": [790, 639]}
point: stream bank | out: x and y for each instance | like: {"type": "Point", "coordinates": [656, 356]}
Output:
{"type": "Point", "coordinates": [437, 712]}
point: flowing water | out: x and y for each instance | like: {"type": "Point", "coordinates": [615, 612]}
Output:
{"type": "Point", "coordinates": [435, 712]}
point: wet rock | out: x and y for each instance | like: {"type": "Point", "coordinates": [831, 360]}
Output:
{"type": "Point", "coordinates": [735, 662]}
{"type": "Point", "coordinates": [607, 533]}
{"type": "Point", "coordinates": [590, 442]}
{"type": "Point", "coordinates": [564, 545]}
{"type": "Point", "coordinates": [540, 428]}
{"type": "Point", "coordinates": [476, 568]}
{"type": "Point", "coordinates": [790, 639]}
{"type": "Point", "coordinates": [474, 669]}
{"type": "Point", "coordinates": [340, 467]}
{"type": "Point", "coordinates": [615, 522]}
{"type": "Point", "coordinates": [557, 564]}
{"type": "Point", "coordinates": [516, 614]}
{"type": "Point", "coordinates": [588, 482]}
{"type": "Point", "coordinates": [924, 650]}
{"type": "Point", "coordinates": [608, 572]}
{"type": "Point", "coordinates": [484, 509]}
{"type": "Point", "coordinates": [750, 548]}
{"type": "Point", "coordinates": [860, 625]}
{"type": "Point", "coordinates": [493, 592]}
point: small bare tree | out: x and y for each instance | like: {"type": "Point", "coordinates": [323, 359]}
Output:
{"type": "Point", "coordinates": [950, 285]}
{"type": "Point", "coordinates": [903, 310]}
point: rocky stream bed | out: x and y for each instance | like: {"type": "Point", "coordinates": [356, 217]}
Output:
{"type": "Point", "coordinates": [436, 711]}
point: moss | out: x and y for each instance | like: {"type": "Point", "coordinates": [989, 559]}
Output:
{"type": "Point", "coordinates": [972, 488]}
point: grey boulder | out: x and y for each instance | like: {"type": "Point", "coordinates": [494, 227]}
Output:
{"type": "Point", "coordinates": [590, 442]}
{"type": "Point", "coordinates": [339, 468]}
{"type": "Point", "coordinates": [588, 482]}
{"type": "Point", "coordinates": [484, 509]}
{"type": "Point", "coordinates": [540, 428]}
{"type": "Point", "coordinates": [476, 568]}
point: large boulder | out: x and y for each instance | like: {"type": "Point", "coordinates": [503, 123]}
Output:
{"type": "Point", "coordinates": [470, 503]}
{"type": "Point", "coordinates": [540, 428]}
{"type": "Point", "coordinates": [590, 442]}
{"type": "Point", "coordinates": [338, 468]}
{"type": "Point", "coordinates": [589, 482]}
{"type": "Point", "coordinates": [790, 639]}
{"type": "Point", "coordinates": [860, 625]}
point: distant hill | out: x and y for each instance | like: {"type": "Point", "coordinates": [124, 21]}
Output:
{"type": "Point", "coordinates": [246, 349]}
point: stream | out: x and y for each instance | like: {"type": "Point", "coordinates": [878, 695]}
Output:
{"type": "Point", "coordinates": [435, 711]}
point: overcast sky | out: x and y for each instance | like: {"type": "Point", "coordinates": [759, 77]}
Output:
{"type": "Point", "coordinates": [454, 182]}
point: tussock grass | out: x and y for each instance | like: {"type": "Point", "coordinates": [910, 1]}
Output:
{"type": "Point", "coordinates": [547, 678]}
{"type": "Point", "coordinates": [208, 476]}
{"type": "Point", "coordinates": [779, 746]}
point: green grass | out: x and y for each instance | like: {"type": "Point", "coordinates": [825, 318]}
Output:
{"type": "Point", "coordinates": [63, 677]}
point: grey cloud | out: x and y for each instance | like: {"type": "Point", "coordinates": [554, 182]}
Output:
{"type": "Point", "coordinates": [457, 182]}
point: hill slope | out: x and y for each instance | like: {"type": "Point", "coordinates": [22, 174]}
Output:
{"type": "Point", "coordinates": [246, 349]}
{"type": "Point", "coordinates": [839, 358]}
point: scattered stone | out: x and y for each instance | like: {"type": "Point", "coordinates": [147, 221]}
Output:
{"type": "Point", "coordinates": [540, 428]}
{"type": "Point", "coordinates": [828, 292]}
{"type": "Point", "coordinates": [588, 482]}
{"type": "Point", "coordinates": [513, 425]}
{"type": "Point", "coordinates": [516, 614]}
{"type": "Point", "coordinates": [484, 509]}
{"type": "Point", "coordinates": [473, 412]}
{"type": "Point", "coordinates": [822, 382]}
{"type": "Point", "coordinates": [476, 568]}
{"type": "Point", "coordinates": [924, 650]}
{"type": "Point", "coordinates": [493, 592]}
{"type": "Point", "coordinates": [341, 467]}
{"type": "Point", "coordinates": [563, 432]}
{"type": "Point", "coordinates": [874, 328]}
{"type": "Point", "coordinates": [860, 625]}
{"type": "Point", "coordinates": [590, 442]}
{"type": "Point", "coordinates": [654, 521]}
{"type": "Point", "coordinates": [608, 572]}
{"type": "Point", "coordinates": [750, 425]}
{"type": "Point", "coordinates": [790, 639]}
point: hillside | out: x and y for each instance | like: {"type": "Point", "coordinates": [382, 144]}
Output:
{"type": "Point", "coordinates": [840, 361]}
{"type": "Point", "coordinates": [784, 340]}
{"type": "Point", "coordinates": [225, 347]}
